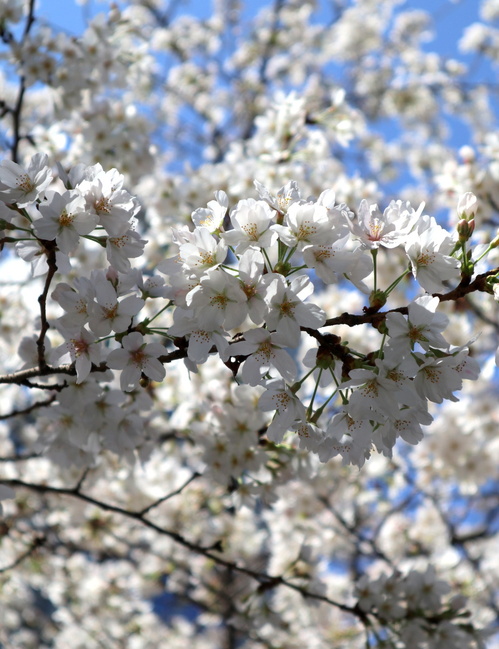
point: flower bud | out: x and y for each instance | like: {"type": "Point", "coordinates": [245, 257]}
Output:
{"type": "Point", "coordinates": [283, 268]}
{"type": "Point", "coordinates": [467, 154]}
{"type": "Point", "coordinates": [465, 229]}
{"type": "Point", "coordinates": [495, 241]}
{"type": "Point", "coordinates": [377, 299]}
{"type": "Point", "coordinates": [5, 225]}
{"type": "Point", "coordinates": [467, 206]}
{"type": "Point", "coordinates": [325, 359]}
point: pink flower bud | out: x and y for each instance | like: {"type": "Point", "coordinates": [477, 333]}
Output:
{"type": "Point", "coordinates": [465, 229]}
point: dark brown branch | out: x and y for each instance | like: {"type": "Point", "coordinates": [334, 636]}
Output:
{"type": "Point", "coordinates": [25, 411]}
{"type": "Point", "coordinates": [22, 377]}
{"type": "Point", "coordinates": [42, 300]}
{"type": "Point", "coordinates": [265, 580]}
{"type": "Point", "coordinates": [16, 112]}
{"type": "Point", "coordinates": [375, 319]}
{"type": "Point", "coordinates": [20, 458]}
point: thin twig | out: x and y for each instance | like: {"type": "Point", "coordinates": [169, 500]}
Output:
{"type": "Point", "coordinates": [170, 495]}
{"type": "Point", "coordinates": [42, 300]}
{"type": "Point", "coordinates": [36, 543]}
{"type": "Point", "coordinates": [34, 406]}
{"type": "Point", "coordinates": [16, 112]}
{"type": "Point", "coordinates": [464, 288]}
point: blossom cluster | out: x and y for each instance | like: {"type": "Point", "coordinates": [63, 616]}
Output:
{"type": "Point", "coordinates": [415, 602]}
{"type": "Point", "coordinates": [240, 286]}
{"type": "Point", "coordinates": [167, 425]}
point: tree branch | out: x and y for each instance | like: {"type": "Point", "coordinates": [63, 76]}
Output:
{"type": "Point", "coordinates": [35, 544]}
{"type": "Point", "coordinates": [375, 319]}
{"type": "Point", "coordinates": [42, 300]}
{"type": "Point", "coordinates": [16, 112]}
{"type": "Point", "coordinates": [265, 580]}
{"type": "Point", "coordinates": [34, 406]}
{"type": "Point", "coordinates": [146, 510]}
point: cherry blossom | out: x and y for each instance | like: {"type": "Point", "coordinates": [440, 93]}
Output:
{"type": "Point", "coordinates": [286, 310]}
{"type": "Point", "coordinates": [121, 249]}
{"type": "Point", "coordinates": [64, 219]}
{"type": "Point", "coordinates": [289, 438]}
{"type": "Point", "coordinates": [422, 326]}
{"type": "Point", "coordinates": [24, 186]}
{"type": "Point", "coordinates": [264, 350]}
{"type": "Point", "coordinates": [287, 408]}
{"type": "Point", "coordinates": [251, 221]}
{"type": "Point", "coordinates": [428, 250]}
{"type": "Point", "coordinates": [136, 358]}
{"type": "Point", "coordinates": [220, 299]}
{"type": "Point", "coordinates": [388, 229]}
{"type": "Point", "coordinates": [83, 351]}
{"type": "Point", "coordinates": [212, 217]}
{"type": "Point", "coordinates": [306, 223]}
{"type": "Point", "coordinates": [108, 314]}
{"type": "Point", "coordinates": [105, 198]}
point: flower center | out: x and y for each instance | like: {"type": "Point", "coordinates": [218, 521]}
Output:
{"type": "Point", "coordinates": [25, 183]}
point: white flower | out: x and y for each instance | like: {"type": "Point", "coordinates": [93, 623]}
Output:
{"type": "Point", "coordinates": [347, 436]}
{"type": "Point", "coordinates": [264, 350]}
{"type": "Point", "coordinates": [212, 217]}
{"type": "Point", "coordinates": [149, 286]}
{"type": "Point", "coordinates": [425, 590]}
{"type": "Point", "coordinates": [310, 435]}
{"type": "Point", "coordinates": [107, 314]}
{"type": "Point", "coordinates": [373, 397]}
{"type": "Point", "coordinates": [467, 206]}
{"type": "Point", "coordinates": [121, 249]}
{"type": "Point", "coordinates": [35, 251]}
{"type": "Point", "coordinates": [337, 214]}
{"type": "Point", "coordinates": [12, 11]}
{"type": "Point", "coordinates": [285, 197]}
{"type": "Point", "coordinates": [64, 219]}
{"type": "Point", "coordinates": [74, 301]}
{"type": "Point", "coordinates": [305, 224]}
{"type": "Point", "coordinates": [428, 249]}
{"type": "Point", "coordinates": [137, 358]}
{"type": "Point", "coordinates": [251, 222]}
{"type": "Point", "coordinates": [407, 426]}
{"type": "Point", "coordinates": [219, 300]}
{"type": "Point", "coordinates": [5, 494]}
{"type": "Point", "coordinates": [368, 592]}
{"type": "Point", "coordinates": [288, 408]}
{"type": "Point", "coordinates": [251, 265]}
{"type": "Point", "coordinates": [389, 229]}
{"type": "Point", "coordinates": [287, 313]}
{"type": "Point", "coordinates": [202, 252]}
{"type": "Point", "coordinates": [333, 261]}
{"type": "Point", "coordinates": [201, 339]}
{"type": "Point", "coordinates": [24, 186]}
{"type": "Point", "coordinates": [422, 325]}
{"type": "Point", "coordinates": [439, 378]}
{"type": "Point", "coordinates": [82, 350]}
{"type": "Point", "coordinates": [28, 352]}
{"type": "Point", "coordinates": [104, 196]}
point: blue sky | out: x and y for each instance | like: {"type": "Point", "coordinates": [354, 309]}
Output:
{"type": "Point", "coordinates": [450, 18]}
{"type": "Point", "coordinates": [450, 15]}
